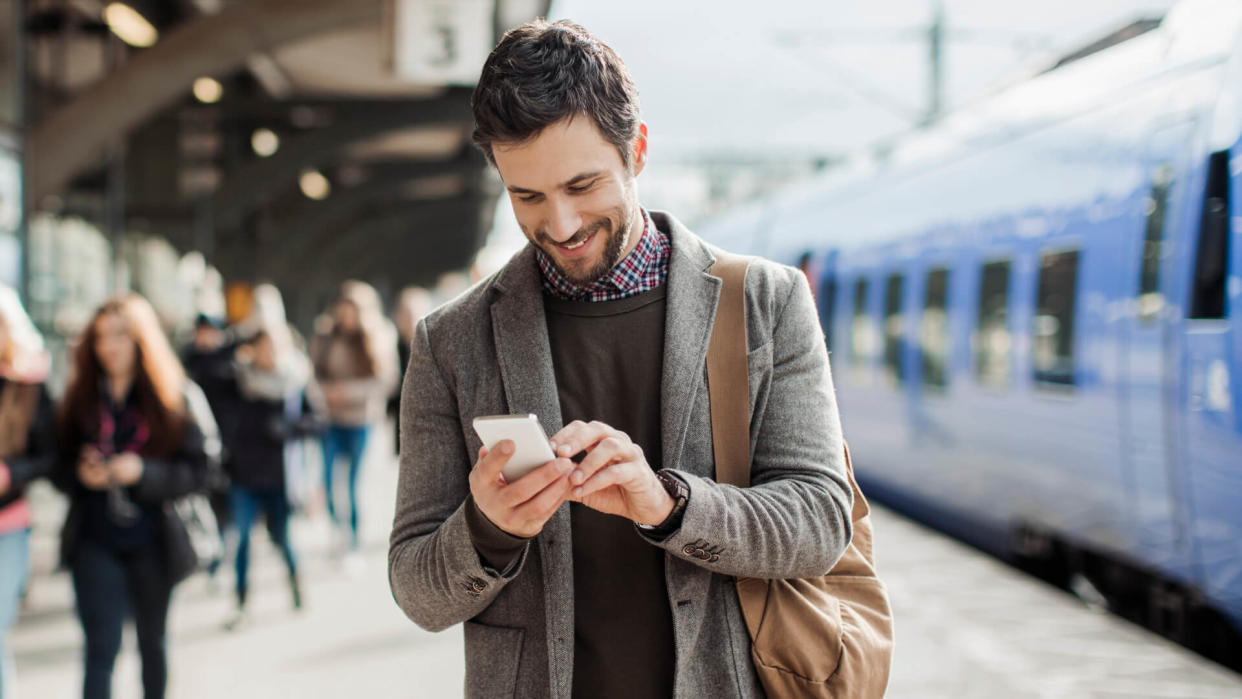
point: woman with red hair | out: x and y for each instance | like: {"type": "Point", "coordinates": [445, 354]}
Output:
{"type": "Point", "coordinates": [136, 434]}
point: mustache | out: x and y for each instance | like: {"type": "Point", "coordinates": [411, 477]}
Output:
{"type": "Point", "coordinates": [583, 233]}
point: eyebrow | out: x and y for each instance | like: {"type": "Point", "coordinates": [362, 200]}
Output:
{"type": "Point", "coordinates": [576, 179]}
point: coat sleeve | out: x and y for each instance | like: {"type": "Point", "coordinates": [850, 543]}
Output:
{"type": "Point", "coordinates": [437, 576]}
{"type": "Point", "coordinates": [193, 464]}
{"type": "Point", "coordinates": [794, 520]}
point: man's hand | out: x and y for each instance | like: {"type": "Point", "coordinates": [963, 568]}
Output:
{"type": "Point", "coordinates": [92, 471]}
{"type": "Point", "coordinates": [615, 477]}
{"type": "Point", "coordinates": [520, 508]}
{"type": "Point", "coordinates": [125, 468]}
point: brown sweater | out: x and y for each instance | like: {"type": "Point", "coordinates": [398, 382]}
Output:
{"type": "Point", "coordinates": [608, 358]}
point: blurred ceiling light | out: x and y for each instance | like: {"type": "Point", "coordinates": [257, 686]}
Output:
{"type": "Point", "coordinates": [130, 25]}
{"type": "Point", "coordinates": [264, 142]}
{"type": "Point", "coordinates": [209, 7]}
{"type": "Point", "coordinates": [208, 90]}
{"type": "Point", "coordinates": [314, 185]}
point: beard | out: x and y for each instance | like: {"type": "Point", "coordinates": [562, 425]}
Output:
{"type": "Point", "coordinates": [586, 272]}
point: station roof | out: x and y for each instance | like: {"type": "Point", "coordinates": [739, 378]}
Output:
{"type": "Point", "coordinates": [336, 95]}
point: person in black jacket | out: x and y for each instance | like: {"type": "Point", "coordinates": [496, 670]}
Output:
{"type": "Point", "coordinates": [135, 436]}
{"type": "Point", "coordinates": [208, 361]}
{"type": "Point", "coordinates": [27, 452]}
{"type": "Point", "coordinates": [272, 381]}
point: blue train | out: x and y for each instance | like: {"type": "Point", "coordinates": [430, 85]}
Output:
{"type": "Point", "coordinates": [1034, 314]}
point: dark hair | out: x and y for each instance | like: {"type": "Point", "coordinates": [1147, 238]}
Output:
{"type": "Point", "coordinates": [543, 72]}
{"type": "Point", "coordinates": [159, 380]}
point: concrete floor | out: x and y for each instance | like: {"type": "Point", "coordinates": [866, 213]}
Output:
{"type": "Point", "coordinates": [967, 626]}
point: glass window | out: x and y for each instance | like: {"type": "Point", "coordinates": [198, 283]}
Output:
{"type": "Point", "coordinates": [934, 330]}
{"type": "Point", "coordinates": [860, 327]}
{"type": "Point", "coordinates": [1150, 301]}
{"type": "Point", "coordinates": [1212, 259]}
{"type": "Point", "coordinates": [1054, 318]}
{"type": "Point", "coordinates": [992, 340]}
{"type": "Point", "coordinates": [894, 330]}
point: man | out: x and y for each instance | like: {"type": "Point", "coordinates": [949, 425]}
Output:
{"type": "Point", "coordinates": [612, 574]}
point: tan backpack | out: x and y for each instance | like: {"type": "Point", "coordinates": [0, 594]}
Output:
{"type": "Point", "coordinates": [829, 636]}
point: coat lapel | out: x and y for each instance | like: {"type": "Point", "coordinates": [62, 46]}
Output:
{"type": "Point", "coordinates": [521, 334]}
{"type": "Point", "coordinates": [520, 330]}
{"type": "Point", "coordinates": [691, 309]}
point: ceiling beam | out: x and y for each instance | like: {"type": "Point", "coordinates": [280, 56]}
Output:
{"type": "Point", "coordinates": [78, 135]}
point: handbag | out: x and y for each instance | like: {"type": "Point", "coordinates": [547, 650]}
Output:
{"type": "Point", "coordinates": [191, 536]}
{"type": "Point", "coordinates": [827, 636]}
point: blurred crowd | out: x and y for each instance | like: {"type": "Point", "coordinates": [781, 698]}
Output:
{"type": "Point", "coordinates": [168, 459]}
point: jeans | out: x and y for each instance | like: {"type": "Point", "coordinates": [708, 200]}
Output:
{"type": "Point", "coordinates": [14, 558]}
{"type": "Point", "coordinates": [352, 441]}
{"type": "Point", "coordinates": [275, 506]}
{"type": "Point", "coordinates": [107, 585]}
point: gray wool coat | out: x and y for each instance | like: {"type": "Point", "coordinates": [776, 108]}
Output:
{"type": "Point", "coordinates": [487, 353]}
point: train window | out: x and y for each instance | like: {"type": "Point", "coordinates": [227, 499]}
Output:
{"type": "Point", "coordinates": [860, 330]}
{"type": "Point", "coordinates": [1211, 260]}
{"type": "Point", "coordinates": [894, 332]}
{"type": "Point", "coordinates": [992, 338]}
{"type": "Point", "coordinates": [1150, 300]}
{"type": "Point", "coordinates": [1054, 318]}
{"type": "Point", "coordinates": [827, 303]}
{"type": "Point", "coordinates": [934, 330]}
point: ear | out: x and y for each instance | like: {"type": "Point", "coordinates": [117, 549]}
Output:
{"type": "Point", "coordinates": [639, 156]}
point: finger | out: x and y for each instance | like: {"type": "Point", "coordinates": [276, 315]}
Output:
{"type": "Point", "coordinates": [580, 436]}
{"type": "Point", "coordinates": [609, 450]}
{"type": "Point", "coordinates": [492, 462]}
{"type": "Point", "coordinates": [620, 474]}
{"type": "Point", "coordinates": [530, 485]}
{"type": "Point", "coordinates": [541, 507]}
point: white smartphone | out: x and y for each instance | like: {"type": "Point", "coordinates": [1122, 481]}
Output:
{"type": "Point", "coordinates": [531, 446]}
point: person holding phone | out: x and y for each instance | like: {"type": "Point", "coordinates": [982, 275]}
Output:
{"type": "Point", "coordinates": [135, 434]}
{"type": "Point", "coordinates": [607, 571]}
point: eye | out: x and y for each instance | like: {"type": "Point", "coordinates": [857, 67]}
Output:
{"type": "Point", "coordinates": [578, 189]}
{"type": "Point", "coordinates": [530, 198]}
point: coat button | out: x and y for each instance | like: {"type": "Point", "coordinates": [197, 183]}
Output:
{"type": "Point", "coordinates": [690, 550]}
{"type": "Point", "coordinates": [479, 585]}
{"type": "Point", "coordinates": [715, 557]}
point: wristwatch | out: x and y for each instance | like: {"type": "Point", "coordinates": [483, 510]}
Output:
{"type": "Point", "coordinates": [680, 493]}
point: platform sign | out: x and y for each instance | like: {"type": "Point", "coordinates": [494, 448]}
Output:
{"type": "Point", "coordinates": [442, 42]}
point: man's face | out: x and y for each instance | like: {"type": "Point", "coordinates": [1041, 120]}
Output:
{"type": "Point", "coordinates": [573, 196]}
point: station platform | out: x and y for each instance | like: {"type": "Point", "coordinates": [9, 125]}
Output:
{"type": "Point", "coordinates": [967, 626]}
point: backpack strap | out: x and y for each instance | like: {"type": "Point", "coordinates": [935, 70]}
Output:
{"type": "Point", "coordinates": [728, 381]}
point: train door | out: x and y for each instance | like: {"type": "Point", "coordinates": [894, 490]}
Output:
{"type": "Point", "coordinates": [1210, 403]}
{"type": "Point", "coordinates": [1146, 348]}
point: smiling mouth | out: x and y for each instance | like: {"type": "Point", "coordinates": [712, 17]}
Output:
{"type": "Point", "coordinates": [578, 245]}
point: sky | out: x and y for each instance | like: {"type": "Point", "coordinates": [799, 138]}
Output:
{"type": "Point", "coordinates": [726, 80]}
{"type": "Point", "coordinates": [727, 77]}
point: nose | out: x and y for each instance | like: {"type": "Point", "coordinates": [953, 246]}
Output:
{"type": "Point", "coordinates": [563, 221]}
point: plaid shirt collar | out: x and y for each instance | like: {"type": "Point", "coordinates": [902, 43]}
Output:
{"type": "Point", "coordinates": [645, 268]}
